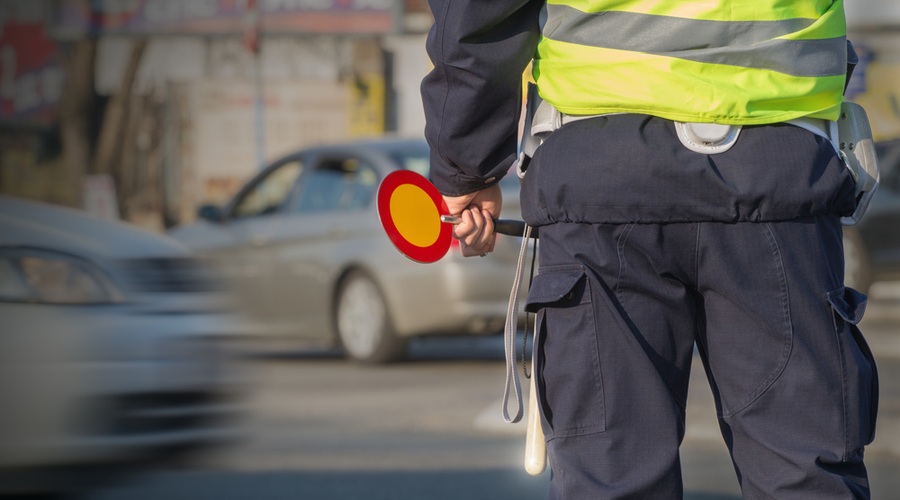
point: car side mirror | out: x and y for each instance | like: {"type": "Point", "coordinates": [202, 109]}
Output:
{"type": "Point", "coordinates": [211, 213]}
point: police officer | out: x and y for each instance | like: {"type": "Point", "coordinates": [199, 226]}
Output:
{"type": "Point", "coordinates": [690, 194]}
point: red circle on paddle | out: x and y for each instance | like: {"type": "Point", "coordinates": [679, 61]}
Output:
{"type": "Point", "coordinates": [410, 210]}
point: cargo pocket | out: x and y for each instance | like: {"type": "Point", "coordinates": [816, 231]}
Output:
{"type": "Point", "coordinates": [860, 374]}
{"type": "Point", "coordinates": [570, 388]}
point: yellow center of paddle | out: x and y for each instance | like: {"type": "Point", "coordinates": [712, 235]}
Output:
{"type": "Point", "coordinates": [415, 215]}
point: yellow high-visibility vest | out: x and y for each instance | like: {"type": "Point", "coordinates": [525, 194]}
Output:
{"type": "Point", "coordinates": [739, 62]}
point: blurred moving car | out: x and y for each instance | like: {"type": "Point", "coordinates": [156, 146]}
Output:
{"type": "Point", "coordinates": [304, 248]}
{"type": "Point", "coordinates": [109, 357]}
{"type": "Point", "coordinates": [872, 247]}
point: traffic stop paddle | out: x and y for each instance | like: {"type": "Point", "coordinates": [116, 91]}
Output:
{"type": "Point", "coordinates": [418, 222]}
{"type": "Point", "coordinates": [410, 210]}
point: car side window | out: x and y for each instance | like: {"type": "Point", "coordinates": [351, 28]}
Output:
{"type": "Point", "coordinates": [271, 192]}
{"type": "Point", "coordinates": [337, 184]}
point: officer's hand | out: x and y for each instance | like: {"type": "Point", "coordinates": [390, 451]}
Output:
{"type": "Point", "coordinates": [477, 210]}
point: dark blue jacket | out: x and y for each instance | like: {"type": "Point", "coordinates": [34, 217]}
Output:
{"type": "Point", "coordinates": [611, 169]}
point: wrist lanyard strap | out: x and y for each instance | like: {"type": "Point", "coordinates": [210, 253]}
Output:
{"type": "Point", "coordinates": [509, 336]}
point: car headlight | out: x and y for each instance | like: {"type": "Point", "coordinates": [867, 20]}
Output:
{"type": "Point", "coordinates": [42, 276]}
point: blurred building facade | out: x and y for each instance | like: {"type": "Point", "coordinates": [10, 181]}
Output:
{"type": "Point", "coordinates": [189, 97]}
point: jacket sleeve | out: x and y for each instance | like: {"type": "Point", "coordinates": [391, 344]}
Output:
{"type": "Point", "coordinates": [473, 96]}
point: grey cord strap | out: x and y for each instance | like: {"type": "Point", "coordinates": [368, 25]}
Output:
{"type": "Point", "coordinates": [509, 335]}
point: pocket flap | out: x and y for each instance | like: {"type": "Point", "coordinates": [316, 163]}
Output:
{"type": "Point", "coordinates": [849, 304]}
{"type": "Point", "coordinates": [561, 286]}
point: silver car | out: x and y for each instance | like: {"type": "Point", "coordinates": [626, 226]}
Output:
{"type": "Point", "coordinates": [110, 354]}
{"type": "Point", "coordinates": [303, 246]}
{"type": "Point", "coordinates": [872, 247]}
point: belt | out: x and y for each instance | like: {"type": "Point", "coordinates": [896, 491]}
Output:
{"type": "Point", "coordinates": [708, 138]}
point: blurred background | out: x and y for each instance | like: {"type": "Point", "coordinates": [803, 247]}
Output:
{"type": "Point", "coordinates": [197, 300]}
{"type": "Point", "coordinates": [179, 102]}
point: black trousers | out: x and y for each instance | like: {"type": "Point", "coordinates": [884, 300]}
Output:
{"type": "Point", "coordinates": [621, 310]}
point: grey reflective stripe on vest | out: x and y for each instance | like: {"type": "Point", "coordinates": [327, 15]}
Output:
{"type": "Point", "coordinates": [751, 44]}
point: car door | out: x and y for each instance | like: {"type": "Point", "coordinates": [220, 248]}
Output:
{"type": "Point", "coordinates": [249, 220]}
{"type": "Point", "coordinates": [326, 224]}
{"type": "Point", "coordinates": [882, 220]}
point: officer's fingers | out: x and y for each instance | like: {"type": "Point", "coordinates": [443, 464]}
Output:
{"type": "Point", "coordinates": [466, 226]}
{"type": "Point", "coordinates": [465, 232]}
{"type": "Point", "coordinates": [487, 236]}
{"type": "Point", "coordinates": [481, 240]}
{"type": "Point", "coordinates": [471, 237]}
{"type": "Point", "coordinates": [493, 241]}
{"type": "Point", "coordinates": [468, 251]}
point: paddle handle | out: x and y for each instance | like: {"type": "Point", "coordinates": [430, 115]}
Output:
{"type": "Point", "coordinates": [510, 227]}
{"type": "Point", "coordinates": [535, 446]}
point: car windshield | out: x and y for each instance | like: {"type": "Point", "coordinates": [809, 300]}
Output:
{"type": "Point", "coordinates": [414, 157]}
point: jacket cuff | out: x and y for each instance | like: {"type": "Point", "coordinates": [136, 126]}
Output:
{"type": "Point", "coordinates": [451, 181]}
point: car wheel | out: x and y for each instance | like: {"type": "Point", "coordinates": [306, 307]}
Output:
{"type": "Point", "coordinates": [857, 274]}
{"type": "Point", "coordinates": [363, 323]}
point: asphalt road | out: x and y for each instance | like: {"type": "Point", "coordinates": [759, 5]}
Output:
{"type": "Point", "coordinates": [318, 427]}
